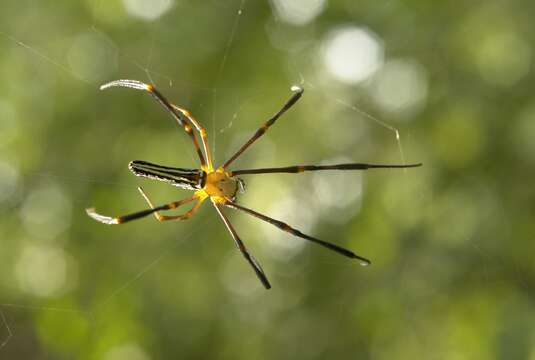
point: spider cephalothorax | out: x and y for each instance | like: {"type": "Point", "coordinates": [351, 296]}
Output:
{"type": "Point", "coordinates": [219, 184]}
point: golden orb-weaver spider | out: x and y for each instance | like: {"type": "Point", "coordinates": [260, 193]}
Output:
{"type": "Point", "coordinates": [219, 184]}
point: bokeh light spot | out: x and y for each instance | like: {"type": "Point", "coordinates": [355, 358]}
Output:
{"type": "Point", "coordinates": [352, 54]}
{"type": "Point", "coordinates": [42, 270]}
{"type": "Point", "coordinates": [92, 56]}
{"type": "Point", "coordinates": [503, 58]}
{"type": "Point", "coordinates": [46, 212]}
{"type": "Point", "coordinates": [282, 245]}
{"type": "Point", "coordinates": [400, 86]}
{"type": "Point", "coordinates": [338, 192]}
{"type": "Point", "coordinates": [147, 10]}
{"type": "Point", "coordinates": [496, 45]}
{"type": "Point", "coordinates": [298, 12]}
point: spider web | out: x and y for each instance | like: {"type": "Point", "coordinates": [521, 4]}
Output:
{"type": "Point", "coordinates": [221, 129]}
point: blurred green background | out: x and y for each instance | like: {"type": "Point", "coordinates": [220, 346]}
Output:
{"type": "Point", "coordinates": [449, 84]}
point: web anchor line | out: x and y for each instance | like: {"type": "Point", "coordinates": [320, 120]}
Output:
{"type": "Point", "coordinates": [8, 329]}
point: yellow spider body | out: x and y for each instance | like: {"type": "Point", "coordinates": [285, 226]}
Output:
{"type": "Point", "coordinates": [219, 186]}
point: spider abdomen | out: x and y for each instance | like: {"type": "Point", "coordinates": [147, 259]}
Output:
{"type": "Point", "coordinates": [189, 179]}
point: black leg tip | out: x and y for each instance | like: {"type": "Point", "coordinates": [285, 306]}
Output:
{"type": "Point", "coordinates": [363, 261]}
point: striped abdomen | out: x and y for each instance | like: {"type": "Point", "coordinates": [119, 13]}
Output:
{"type": "Point", "coordinates": [190, 179]}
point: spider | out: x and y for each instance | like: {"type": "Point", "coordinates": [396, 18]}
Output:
{"type": "Point", "coordinates": [220, 185]}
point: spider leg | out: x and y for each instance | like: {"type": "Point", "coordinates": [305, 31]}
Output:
{"type": "Point", "coordinates": [161, 217]}
{"type": "Point", "coordinates": [137, 215]}
{"type": "Point", "coordinates": [302, 168]}
{"type": "Point", "coordinates": [239, 244]}
{"type": "Point", "coordinates": [297, 93]}
{"type": "Point", "coordinates": [202, 132]}
{"type": "Point", "coordinates": [295, 232]}
{"type": "Point", "coordinates": [177, 115]}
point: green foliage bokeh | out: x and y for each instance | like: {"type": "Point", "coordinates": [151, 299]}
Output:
{"type": "Point", "coordinates": [451, 243]}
